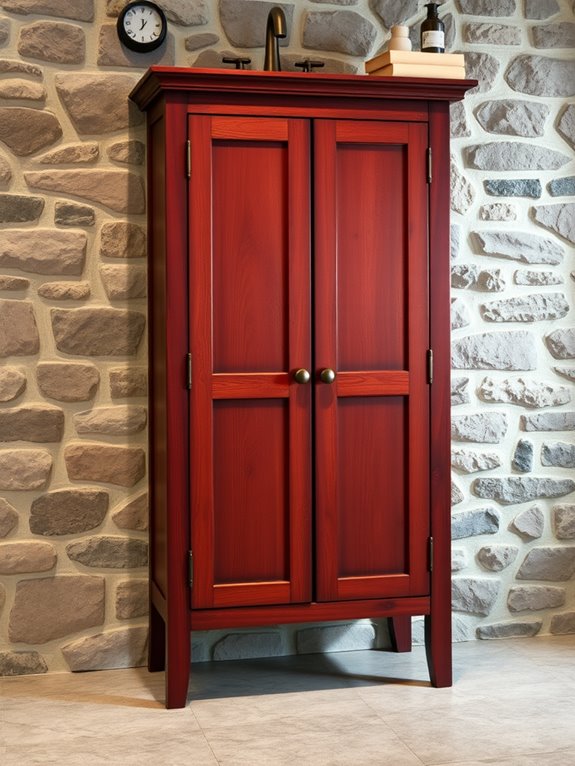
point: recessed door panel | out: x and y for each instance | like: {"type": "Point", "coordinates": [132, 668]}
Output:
{"type": "Point", "coordinates": [251, 490]}
{"type": "Point", "coordinates": [371, 231]}
{"type": "Point", "coordinates": [250, 255]}
{"type": "Point", "coordinates": [372, 493]}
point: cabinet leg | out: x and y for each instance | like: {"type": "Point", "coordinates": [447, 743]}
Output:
{"type": "Point", "coordinates": [438, 649]}
{"type": "Point", "coordinates": [178, 660]}
{"type": "Point", "coordinates": [400, 633]}
{"type": "Point", "coordinates": [156, 641]}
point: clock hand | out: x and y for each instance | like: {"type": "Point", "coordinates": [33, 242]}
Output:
{"type": "Point", "coordinates": [144, 22]}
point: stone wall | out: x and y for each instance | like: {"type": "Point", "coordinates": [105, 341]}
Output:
{"type": "Point", "coordinates": [73, 511]}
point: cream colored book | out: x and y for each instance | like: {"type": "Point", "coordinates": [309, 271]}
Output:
{"type": "Point", "coordinates": [414, 57]}
{"type": "Point", "coordinates": [417, 70]}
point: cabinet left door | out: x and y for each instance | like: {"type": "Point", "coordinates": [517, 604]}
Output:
{"type": "Point", "coordinates": [249, 329]}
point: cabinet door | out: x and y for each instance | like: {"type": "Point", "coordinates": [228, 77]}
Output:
{"type": "Point", "coordinates": [371, 323]}
{"type": "Point", "coordinates": [250, 491]}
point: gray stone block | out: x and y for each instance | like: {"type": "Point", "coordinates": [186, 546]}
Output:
{"type": "Point", "coordinates": [513, 117]}
{"type": "Point", "coordinates": [559, 218]}
{"type": "Point", "coordinates": [566, 124]}
{"type": "Point", "coordinates": [560, 454]}
{"type": "Point", "coordinates": [459, 393]}
{"type": "Point", "coordinates": [546, 563]}
{"type": "Point", "coordinates": [242, 646]}
{"type": "Point", "coordinates": [495, 558]}
{"type": "Point", "coordinates": [536, 278]}
{"type": "Point", "coordinates": [564, 521]}
{"type": "Point", "coordinates": [525, 629]}
{"type": "Point", "coordinates": [20, 208]}
{"type": "Point", "coordinates": [523, 598]}
{"type": "Point", "coordinates": [341, 31]}
{"type": "Point", "coordinates": [526, 308]}
{"type": "Point", "coordinates": [521, 489]}
{"type": "Point", "coordinates": [524, 392]}
{"type": "Point", "coordinates": [494, 351]}
{"type": "Point", "coordinates": [459, 314]}
{"type": "Point", "coordinates": [541, 76]}
{"type": "Point", "coordinates": [474, 595]}
{"type": "Point", "coordinates": [481, 67]}
{"type": "Point", "coordinates": [540, 9]}
{"type": "Point", "coordinates": [562, 187]}
{"type": "Point", "coordinates": [483, 427]}
{"type": "Point", "coordinates": [517, 246]}
{"type": "Point", "coordinates": [557, 35]}
{"type": "Point", "coordinates": [529, 523]}
{"type": "Point", "coordinates": [512, 156]}
{"type": "Point", "coordinates": [516, 187]}
{"type": "Point", "coordinates": [549, 421]}
{"type": "Point", "coordinates": [561, 343]}
{"type": "Point", "coordinates": [562, 624]}
{"type": "Point", "coordinates": [481, 521]}
{"type": "Point", "coordinates": [523, 456]}
{"type": "Point", "coordinates": [335, 638]}
{"type": "Point", "coordinates": [472, 461]}
{"type": "Point", "coordinates": [392, 12]}
{"type": "Point", "coordinates": [68, 511]}
{"type": "Point", "coordinates": [244, 21]}
{"type": "Point", "coordinates": [487, 7]}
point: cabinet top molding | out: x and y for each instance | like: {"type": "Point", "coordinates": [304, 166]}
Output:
{"type": "Point", "coordinates": [160, 80]}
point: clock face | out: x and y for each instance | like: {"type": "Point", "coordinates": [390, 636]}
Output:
{"type": "Point", "coordinates": [142, 26]}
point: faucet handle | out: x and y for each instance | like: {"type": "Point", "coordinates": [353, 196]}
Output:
{"type": "Point", "coordinates": [307, 65]}
{"type": "Point", "coordinates": [239, 61]}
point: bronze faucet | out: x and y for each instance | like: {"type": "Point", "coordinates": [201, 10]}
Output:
{"type": "Point", "coordinates": [275, 28]}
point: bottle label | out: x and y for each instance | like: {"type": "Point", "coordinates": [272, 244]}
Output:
{"type": "Point", "coordinates": [433, 39]}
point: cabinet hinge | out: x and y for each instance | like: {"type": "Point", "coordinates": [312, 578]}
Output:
{"type": "Point", "coordinates": [430, 365]}
{"type": "Point", "coordinates": [430, 553]}
{"type": "Point", "coordinates": [188, 371]}
{"type": "Point", "coordinates": [190, 569]}
{"type": "Point", "coordinates": [188, 159]}
{"type": "Point", "coordinates": [429, 166]}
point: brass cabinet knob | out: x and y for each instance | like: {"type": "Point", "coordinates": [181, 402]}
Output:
{"type": "Point", "coordinates": [327, 375]}
{"type": "Point", "coordinates": [302, 376]}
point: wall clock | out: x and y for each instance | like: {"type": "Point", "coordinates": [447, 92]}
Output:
{"type": "Point", "coordinates": [142, 26]}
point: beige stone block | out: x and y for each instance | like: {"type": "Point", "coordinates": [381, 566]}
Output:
{"type": "Point", "coordinates": [71, 154]}
{"type": "Point", "coordinates": [24, 469]}
{"type": "Point", "coordinates": [132, 599]}
{"type": "Point", "coordinates": [119, 190]}
{"type": "Point", "coordinates": [32, 423]}
{"type": "Point", "coordinates": [134, 514]}
{"type": "Point", "coordinates": [53, 41]}
{"type": "Point", "coordinates": [114, 421]}
{"type": "Point", "coordinates": [12, 383]}
{"type": "Point", "coordinates": [109, 552]}
{"type": "Point", "coordinates": [15, 284]}
{"type": "Point", "coordinates": [8, 517]}
{"type": "Point", "coordinates": [2, 597]}
{"type": "Point", "coordinates": [98, 103]}
{"type": "Point", "coordinates": [125, 648]}
{"type": "Point", "coordinates": [132, 152]}
{"type": "Point", "coordinates": [124, 282]}
{"type": "Point", "coordinates": [68, 511]}
{"type": "Point", "coordinates": [80, 10]}
{"type": "Point", "coordinates": [52, 607]}
{"type": "Point", "coordinates": [65, 291]}
{"type": "Point", "coordinates": [112, 53]}
{"type": "Point", "coordinates": [5, 171]}
{"type": "Point", "coordinates": [128, 381]}
{"type": "Point", "coordinates": [25, 130]}
{"type": "Point", "coordinates": [98, 331]}
{"type": "Point", "coordinates": [124, 466]}
{"type": "Point", "coordinates": [121, 239]}
{"type": "Point", "coordinates": [13, 66]}
{"type": "Point", "coordinates": [18, 329]}
{"type": "Point", "coordinates": [22, 90]}
{"type": "Point", "coordinates": [25, 557]}
{"type": "Point", "coordinates": [43, 251]}
{"type": "Point", "coordinates": [67, 381]}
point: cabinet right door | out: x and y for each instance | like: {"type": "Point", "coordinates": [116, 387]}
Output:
{"type": "Point", "coordinates": [371, 329]}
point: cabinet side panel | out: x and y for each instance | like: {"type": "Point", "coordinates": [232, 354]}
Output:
{"type": "Point", "coordinates": [157, 351]}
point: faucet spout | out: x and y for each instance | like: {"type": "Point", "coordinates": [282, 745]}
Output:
{"type": "Point", "coordinates": [275, 28]}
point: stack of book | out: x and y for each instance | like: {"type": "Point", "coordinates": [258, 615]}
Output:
{"type": "Point", "coordinates": [416, 64]}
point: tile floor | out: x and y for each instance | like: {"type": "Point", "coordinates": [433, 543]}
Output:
{"type": "Point", "coordinates": [512, 704]}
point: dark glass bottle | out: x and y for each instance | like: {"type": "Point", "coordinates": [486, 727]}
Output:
{"type": "Point", "coordinates": [432, 31]}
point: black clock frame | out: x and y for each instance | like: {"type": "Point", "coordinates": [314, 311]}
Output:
{"type": "Point", "coordinates": [132, 44]}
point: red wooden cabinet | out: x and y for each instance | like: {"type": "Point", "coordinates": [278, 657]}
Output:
{"type": "Point", "coordinates": [299, 292]}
